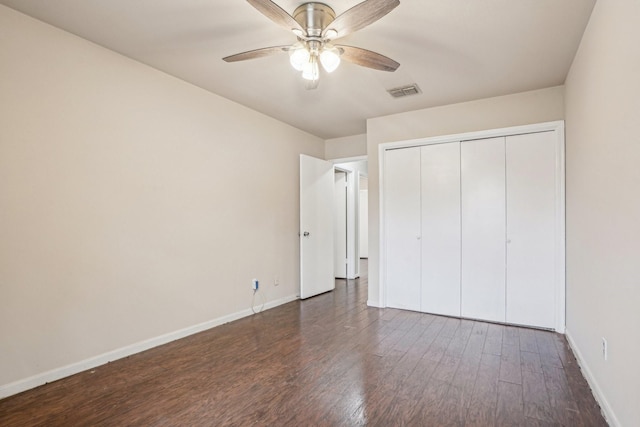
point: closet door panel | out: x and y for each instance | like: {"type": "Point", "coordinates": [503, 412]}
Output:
{"type": "Point", "coordinates": [402, 227]}
{"type": "Point", "coordinates": [441, 228]}
{"type": "Point", "coordinates": [531, 201]}
{"type": "Point", "coordinates": [483, 228]}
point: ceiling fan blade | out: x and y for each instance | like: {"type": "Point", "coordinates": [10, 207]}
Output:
{"type": "Point", "coordinates": [367, 58]}
{"type": "Point", "coordinates": [360, 15]}
{"type": "Point", "coordinates": [276, 14]}
{"type": "Point", "coordinates": [257, 53]}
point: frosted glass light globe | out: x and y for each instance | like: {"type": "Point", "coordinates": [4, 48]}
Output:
{"type": "Point", "coordinates": [299, 56]}
{"type": "Point", "coordinates": [330, 59]}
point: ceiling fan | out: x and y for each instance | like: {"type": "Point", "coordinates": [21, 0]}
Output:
{"type": "Point", "coordinates": [316, 26]}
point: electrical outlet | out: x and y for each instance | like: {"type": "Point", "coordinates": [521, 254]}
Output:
{"type": "Point", "coordinates": [276, 281]}
{"type": "Point", "coordinates": [605, 349]}
{"type": "Point", "coordinates": [255, 284]}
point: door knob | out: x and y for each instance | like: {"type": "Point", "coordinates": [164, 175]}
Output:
{"type": "Point", "coordinates": [305, 234]}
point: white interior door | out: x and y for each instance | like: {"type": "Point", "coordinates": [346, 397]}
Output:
{"type": "Point", "coordinates": [483, 229]}
{"type": "Point", "coordinates": [402, 227]}
{"type": "Point", "coordinates": [353, 218]}
{"type": "Point", "coordinates": [340, 225]}
{"type": "Point", "coordinates": [364, 223]}
{"type": "Point", "coordinates": [316, 226]}
{"type": "Point", "coordinates": [531, 202]}
{"type": "Point", "coordinates": [441, 228]}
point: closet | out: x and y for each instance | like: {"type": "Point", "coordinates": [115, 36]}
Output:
{"type": "Point", "coordinates": [473, 226]}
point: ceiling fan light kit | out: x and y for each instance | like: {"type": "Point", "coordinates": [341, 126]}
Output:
{"type": "Point", "coordinates": [316, 26]}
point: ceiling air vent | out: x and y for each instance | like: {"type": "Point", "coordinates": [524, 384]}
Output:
{"type": "Point", "coordinates": [407, 90]}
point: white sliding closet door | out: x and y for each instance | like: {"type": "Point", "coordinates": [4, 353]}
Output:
{"type": "Point", "coordinates": [531, 215]}
{"type": "Point", "coordinates": [402, 227]}
{"type": "Point", "coordinates": [483, 228]}
{"type": "Point", "coordinates": [441, 228]}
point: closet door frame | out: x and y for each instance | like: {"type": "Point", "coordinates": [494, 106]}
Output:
{"type": "Point", "coordinates": [558, 127]}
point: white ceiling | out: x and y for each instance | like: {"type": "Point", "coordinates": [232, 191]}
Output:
{"type": "Point", "coordinates": [455, 50]}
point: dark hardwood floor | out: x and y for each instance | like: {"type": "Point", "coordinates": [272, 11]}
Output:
{"type": "Point", "coordinates": [328, 361]}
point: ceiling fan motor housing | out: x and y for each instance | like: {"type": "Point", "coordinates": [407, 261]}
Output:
{"type": "Point", "coordinates": [314, 17]}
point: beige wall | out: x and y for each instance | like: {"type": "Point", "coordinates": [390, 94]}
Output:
{"type": "Point", "coordinates": [346, 147]}
{"type": "Point", "coordinates": [603, 205]}
{"type": "Point", "coordinates": [504, 111]}
{"type": "Point", "coordinates": [132, 204]}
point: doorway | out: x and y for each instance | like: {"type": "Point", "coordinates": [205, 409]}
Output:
{"type": "Point", "coordinates": [340, 215]}
{"type": "Point", "coordinates": [347, 217]}
{"type": "Point", "coordinates": [363, 217]}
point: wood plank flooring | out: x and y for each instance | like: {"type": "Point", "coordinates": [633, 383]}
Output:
{"type": "Point", "coordinates": [328, 361]}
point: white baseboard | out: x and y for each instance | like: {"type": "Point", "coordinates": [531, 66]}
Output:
{"type": "Point", "coordinates": [595, 387]}
{"type": "Point", "coordinates": [372, 303]}
{"type": "Point", "coordinates": [74, 368]}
